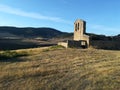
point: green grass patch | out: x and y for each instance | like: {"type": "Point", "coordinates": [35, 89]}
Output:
{"type": "Point", "coordinates": [11, 54]}
{"type": "Point", "coordinates": [56, 47]}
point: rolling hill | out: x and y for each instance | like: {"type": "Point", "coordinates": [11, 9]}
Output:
{"type": "Point", "coordinates": [28, 37]}
{"type": "Point", "coordinates": [30, 32]}
{"type": "Point", "coordinates": [45, 32]}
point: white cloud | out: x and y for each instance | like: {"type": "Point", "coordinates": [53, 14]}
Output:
{"type": "Point", "coordinates": [19, 12]}
{"type": "Point", "coordinates": [104, 29]}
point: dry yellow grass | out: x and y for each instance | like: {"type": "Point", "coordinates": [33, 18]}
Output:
{"type": "Point", "coordinates": [62, 69]}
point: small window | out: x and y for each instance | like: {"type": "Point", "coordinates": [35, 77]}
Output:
{"type": "Point", "coordinates": [75, 27]}
{"type": "Point", "coordinates": [78, 26]}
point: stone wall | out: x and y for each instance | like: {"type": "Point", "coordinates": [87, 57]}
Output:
{"type": "Point", "coordinates": [109, 45]}
{"type": "Point", "coordinates": [86, 38]}
{"type": "Point", "coordinates": [64, 44]}
{"type": "Point", "coordinates": [77, 44]}
{"type": "Point", "coordinates": [74, 44]}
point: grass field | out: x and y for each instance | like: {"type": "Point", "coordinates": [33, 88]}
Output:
{"type": "Point", "coordinates": [58, 68]}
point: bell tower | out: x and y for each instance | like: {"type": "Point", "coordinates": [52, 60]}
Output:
{"type": "Point", "coordinates": [79, 29]}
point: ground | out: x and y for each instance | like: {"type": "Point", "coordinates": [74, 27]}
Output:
{"type": "Point", "coordinates": [57, 68]}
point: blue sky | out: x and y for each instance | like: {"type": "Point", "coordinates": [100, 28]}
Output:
{"type": "Point", "coordinates": [102, 16]}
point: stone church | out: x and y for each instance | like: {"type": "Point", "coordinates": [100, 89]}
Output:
{"type": "Point", "coordinates": [80, 40]}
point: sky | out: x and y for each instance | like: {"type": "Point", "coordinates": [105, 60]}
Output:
{"type": "Point", "coordinates": [101, 16]}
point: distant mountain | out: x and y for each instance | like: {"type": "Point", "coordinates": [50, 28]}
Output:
{"type": "Point", "coordinates": [30, 32]}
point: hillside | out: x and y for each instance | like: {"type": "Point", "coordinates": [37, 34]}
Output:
{"type": "Point", "coordinates": [20, 38]}
{"type": "Point", "coordinates": [57, 68]}
{"type": "Point", "coordinates": [29, 32]}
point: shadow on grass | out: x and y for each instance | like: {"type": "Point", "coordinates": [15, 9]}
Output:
{"type": "Point", "coordinates": [12, 60]}
{"type": "Point", "coordinates": [11, 56]}
{"type": "Point", "coordinates": [14, 44]}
